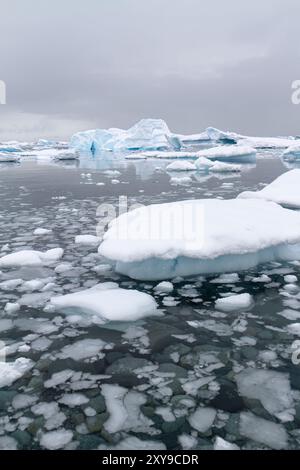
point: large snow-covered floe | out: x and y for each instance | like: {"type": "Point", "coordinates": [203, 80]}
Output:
{"type": "Point", "coordinates": [147, 134]}
{"type": "Point", "coordinates": [230, 153]}
{"type": "Point", "coordinates": [108, 302]}
{"type": "Point", "coordinates": [31, 258]}
{"type": "Point", "coordinates": [285, 190]}
{"type": "Point", "coordinates": [186, 238]}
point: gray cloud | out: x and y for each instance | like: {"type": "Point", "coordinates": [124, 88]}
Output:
{"type": "Point", "coordinates": [77, 64]}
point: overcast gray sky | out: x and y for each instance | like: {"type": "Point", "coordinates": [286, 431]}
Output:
{"type": "Point", "coordinates": [71, 65]}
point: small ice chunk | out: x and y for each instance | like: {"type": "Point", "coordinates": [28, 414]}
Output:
{"type": "Point", "coordinates": [290, 279]}
{"type": "Point", "coordinates": [164, 287]}
{"type": "Point", "coordinates": [87, 240]}
{"type": "Point", "coordinates": [56, 440]}
{"type": "Point", "coordinates": [84, 349]}
{"type": "Point", "coordinates": [234, 303]}
{"type": "Point", "coordinates": [221, 444]}
{"type": "Point", "coordinates": [8, 443]}
{"type": "Point", "coordinates": [73, 399]}
{"type": "Point", "coordinates": [12, 371]}
{"type": "Point", "coordinates": [12, 307]}
{"type": "Point", "coordinates": [187, 441]}
{"type": "Point", "coordinates": [31, 258]}
{"type": "Point", "coordinates": [181, 166]}
{"type": "Point", "coordinates": [41, 231]}
{"type": "Point", "coordinates": [202, 419]}
{"type": "Point", "coordinates": [22, 400]}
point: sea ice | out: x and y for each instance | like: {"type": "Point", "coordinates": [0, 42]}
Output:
{"type": "Point", "coordinates": [108, 303]}
{"type": "Point", "coordinates": [292, 153]}
{"type": "Point", "coordinates": [271, 388]}
{"type": "Point", "coordinates": [230, 153]}
{"type": "Point", "coordinates": [202, 419]}
{"type": "Point", "coordinates": [265, 432]}
{"type": "Point", "coordinates": [234, 303]}
{"type": "Point", "coordinates": [162, 241]}
{"type": "Point", "coordinates": [284, 190]}
{"type": "Point", "coordinates": [84, 349]}
{"type": "Point", "coordinates": [12, 371]}
{"type": "Point", "coordinates": [31, 258]}
{"type": "Point", "coordinates": [87, 240]}
{"type": "Point", "coordinates": [181, 166]}
{"type": "Point", "coordinates": [56, 440]}
{"type": "Point", "coordinates": [221, 444]}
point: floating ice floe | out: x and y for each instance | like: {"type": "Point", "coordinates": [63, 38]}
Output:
{"type": "Point", "coordinates": [108, 303]}
{"type": "Point", "coordinates": [202, 419]}
{"type": "Point", "coordinates": [87, 240]}
{"type": "Point", "coordinates": [70, 154]}
{"type": "Point", "coordinates": [42, 231]}
{"type": "Point", "coordinates": [181, 166]}
{"type": "Point", "coordinates": [31, 258]}
{"type": "Point", "coordinates": [234, 303]}
{"type": "Point", "coordinates": [56, 440]}
{"type": "Point", "coordinates": [221, 444]}
{"type": "Point", "coordinates": [9, 158]}
{"type": "Point", "coordinates": [262, 431]}
{"type": "Point", "coordinates": [164, 155]}
{"type": "Point", "coordinates": [160, 242]}
{"type": "Point", "coordinates": [271, 388]}
{"type": "Point", "coordinates": [284, 190]}
{"type": "Point", "coordinates": [12, 371]}
{"type": "Point", "coordinates": [292, 153]}
{"type": "Point", "coordinates": [230, 153]}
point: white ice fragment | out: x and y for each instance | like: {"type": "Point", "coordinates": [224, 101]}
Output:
{"type": "Point", "coordinates": [87, 240]}
{"type": "Point", "coordinates": [109, 303]}
{"type": "Point", "coordinates": [202, 419]}
{"type": "Point", "coordinates": [56, 440]}
{"type": "Point", "coordinates": [31, 258]}
{"type": "Point", "coordinates": [12, 371]}
{"type": "Point", "coordinates": [234, 303]}
{"type": "Point", "coordinates": [221, 444]}
{"type": "Point", "coordinates": [265, 432]}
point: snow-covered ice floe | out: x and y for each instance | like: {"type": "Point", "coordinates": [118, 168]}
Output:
{"type": "Point", "coordinates": [31, 258]}
{"type": "Point", "coordinates": [285, 190]}
{"type": "Point", "coordinates": [205, 236]}
{"type": "Point", "coordinates": [108, 302]}
{"type": "Point", "coordinates": [234, 303]}
{"type": "Point", "coordinates": [8, 158]}
{"type": "Point", "coordinates": [292, 153]}
{"type": "Point", "coordinates": [70, 154]}
{"type": "Point", "coordinates": [230, 153]}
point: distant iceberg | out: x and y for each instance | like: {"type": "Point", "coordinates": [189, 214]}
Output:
{"type": "Point", "coordinates": [154, 134]}
{"type": "Point", "coordinates": [186, 238]}
{"type": "Point", "coordinates": [285, 190]}
{"type": "Point", "coordinates": [147, 134]}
